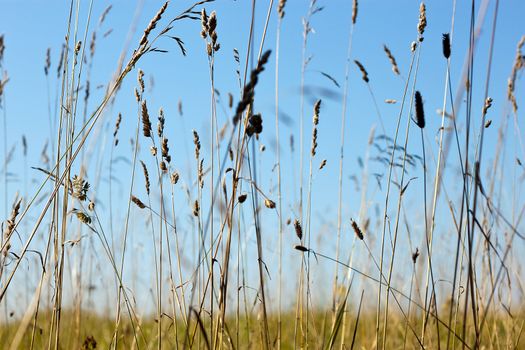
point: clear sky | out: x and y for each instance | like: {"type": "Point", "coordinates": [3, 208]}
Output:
{"type": "Point", "coordinates": [31, 27]}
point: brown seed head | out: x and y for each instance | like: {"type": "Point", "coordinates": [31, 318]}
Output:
{"type": "Point", "coordinates": [83, 217]}
{"type": "Point", "coordinates": [357, 230]}
{"type": "Point", "coordinates": [392, 60]}
{"type": "Point", "coordinates": [269, 203]}
{"type": "Point", "coordinates": [146, 124]}
{"type": "Point", "coordinates": [163, 167]}
{"type": "Point", "coordinates": [354, 11]}
{"type": "Point", "coordinates": [280, 8]}
{"type": "Point", "coordinates": [152, 24]}
{"type": "Point", "coordinates": [146, 177]}
{"type": "Point", "coordinates": [80, 188]}
{"type": "Point", "coordinates": [421, 25]}
{"type": "Point", "coordinates": [197, 143]}
{"type": "Point", "coordinates": [298, 229]}
{"type": "Point", "coordinates": [363, 71]}
{"type": "Point", "coordinates": [196, 208]}
{"type": "Point", "coordinates": [174, 178]}
{"type": "Point", "coordinates": [300, 248]}
{"type": "Point", "coordinates": [242, 198]}
{"type": "Point", "coordinates": [138, 202]}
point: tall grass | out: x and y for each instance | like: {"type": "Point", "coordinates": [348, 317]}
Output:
{"type": "Point", "coordinates": [121, 246]}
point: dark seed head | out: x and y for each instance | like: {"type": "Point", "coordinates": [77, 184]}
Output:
{"type": "Point", "coordinates": [420, 113]}
{"type": "Point", "coordinates": [301, 248]}
{"type": "Point", "coordinates": [357, 230]}
{"type": "Point", "coordinates": [415, 255]}
{"type": "Point", "coordinates": [446, 45]}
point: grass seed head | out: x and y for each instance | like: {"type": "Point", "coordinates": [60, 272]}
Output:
{"type": "Point", "coordinates": [354, 11]}
{"type": "Point", "coordinates": [269, 203]}
{"type": "Point", "coordinates": [138, 202]}
{"type": "Point", "coordinates": [420, 112]}
{"type": "Point", "coordinates": [392, 60]}
{"type": "Point", "coordinates": [446, 45]}
{"type": "Point", "coordinates": [357, 230]}
{"type": "Point", "coordinates": [298, 229]}
{"type": "Point", "coordinates": [146, 177]}
{"type": "Point", "coordinates": [415, 255]}
{"type": "Point", "coordinates": [422, 24]}
{"type": "Point", "coordinates": [174, 178]}
{"type": "Point", "coordinates": [280, 8]}
{"type": "Point", "coordinates": [146, 123]}
{"type": "Point", "coordinates": [300, 248]}
{"type": "Point", "coordinates": [363, 71]}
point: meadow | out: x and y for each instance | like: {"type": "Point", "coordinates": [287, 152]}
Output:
{"type": "Point", "coordinates": [262, 175]}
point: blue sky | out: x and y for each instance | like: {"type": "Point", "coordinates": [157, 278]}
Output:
{"type": "Point", "coordinates": [30, 27]}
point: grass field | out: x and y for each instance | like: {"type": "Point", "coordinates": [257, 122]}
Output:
{"type": "Point", "coordinates": [239, 184]}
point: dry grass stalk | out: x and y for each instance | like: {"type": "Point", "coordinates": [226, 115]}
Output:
{"type": "Point", "coordinates": [323, 164]}
{"type": "Point", "coordinates": [392, 60]}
